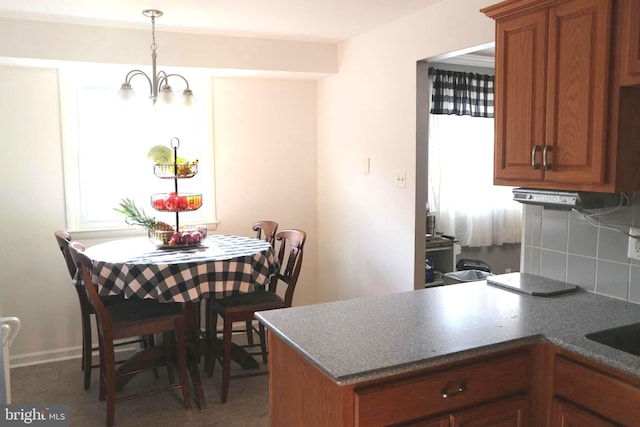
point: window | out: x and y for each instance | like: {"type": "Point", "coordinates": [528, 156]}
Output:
{"type": "Point", "coordinates": [461, 191]}
{"type": "Point", "coordinates": [106, 141]}
{"type": "Point", "coordinates": [460, 168]}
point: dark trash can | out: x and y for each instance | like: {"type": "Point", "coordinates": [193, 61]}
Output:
{"type": "Point", "coordinates": [472, 264]}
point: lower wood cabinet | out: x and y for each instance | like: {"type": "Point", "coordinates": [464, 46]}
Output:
{"type": "Point", "coordinates": [610, 397]}
{"type": "Point", "coordinates": [484, 391]}
{"type": "Point", "coordinates": [567, 415]}
{"type": "Point", "coordinates": [512, 412]}
{"type": "Point", "coordinates": [534, 385]}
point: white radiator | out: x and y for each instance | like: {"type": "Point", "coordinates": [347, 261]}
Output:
{"type": "Point", "coordinates": [10, 328]}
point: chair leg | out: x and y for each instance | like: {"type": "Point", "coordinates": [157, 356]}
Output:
{"type": "Point", "coordinates": [207, 335]}
{"type": "Point", "coordinates": [167, 343]}
{"type": "Point", "coordinates": [110, 379]}
{"type": "Point", "coordinates": [86, 349]}
{"type": "Point", "coordinates": [226, 358]}
{"type": "Point", "coordinates": [102, 392]}
{"type": "Point", "coordinates": [212, 341]}
{"type": "Point", "coordinates": [263, 342]}
{"type": "Point", "coordinates": [149, 341]}
{"type": "Point", "coordinates": [249, 328]}
{"type": "Point", "coordinates": [181, 356]}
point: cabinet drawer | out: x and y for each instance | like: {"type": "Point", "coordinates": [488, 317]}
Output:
{"type": "Point", "coordinates": [432, 393]}
{"type": "Point", "coordinates": [597, 391]}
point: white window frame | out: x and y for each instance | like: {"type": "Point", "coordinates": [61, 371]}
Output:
{"type": "Point", "coordinates": [152, 130]}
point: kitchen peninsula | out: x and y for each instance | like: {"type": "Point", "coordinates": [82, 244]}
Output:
{"type": "Point", "coordinates": [440, 356]}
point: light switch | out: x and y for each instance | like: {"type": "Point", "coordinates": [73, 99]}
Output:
{"type": "Point", "coordinates": [401, 178]}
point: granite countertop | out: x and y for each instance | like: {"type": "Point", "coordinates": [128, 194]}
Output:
{"type": "Point", "coordinates": [372, 337]}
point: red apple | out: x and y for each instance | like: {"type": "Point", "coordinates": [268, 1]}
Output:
{"type": "Point", "coordinates": [187, 239]}
{"type": "Point", "coordinates": [176, 239]}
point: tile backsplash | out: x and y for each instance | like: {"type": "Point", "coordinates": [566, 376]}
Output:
{"type": "Point", "coordinates": [565, 246]}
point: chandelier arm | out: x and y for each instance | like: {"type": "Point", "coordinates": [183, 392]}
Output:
{"type": "Point", "coordinates": [131, 74]}
{"type": "Point", "coordinates": [177, 75]}
{"type": "Point", "coordinates": [161, 79]}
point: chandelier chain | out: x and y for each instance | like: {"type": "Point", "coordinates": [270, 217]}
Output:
{"type": "Point", "coordinates": [154, 46]}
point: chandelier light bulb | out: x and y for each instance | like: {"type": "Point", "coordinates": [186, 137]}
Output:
{"type": "Point", "coordinates": [126, 92]}
{"type": "Point", "coordinates": [188, 100]}
{"type": "Point", "coordinates": [166, 95]}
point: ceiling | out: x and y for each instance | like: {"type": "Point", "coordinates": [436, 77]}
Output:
{"type": "Point", "coordinates": [308, 20]}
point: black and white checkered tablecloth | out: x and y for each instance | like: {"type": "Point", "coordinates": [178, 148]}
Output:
{"type": "Point", "coordinates": [220, 266]}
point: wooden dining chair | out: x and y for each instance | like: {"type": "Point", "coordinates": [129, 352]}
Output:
{"type": "Point", "coordinates": [242, 306]}
{"type": "Point", "coordinates": [86, 311]}
{"type": "Point", "coordinates": [265, 230]}
{"type": "Point", "coordinates": [134, 317]}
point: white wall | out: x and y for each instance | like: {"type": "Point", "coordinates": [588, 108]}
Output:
{"type": "Point", "coordinates": [368, 110]}
{"type": "Point", "coordinates": [265, 148]}
{"type": "Point", "coordinates": [264, 132]}
{"type": "Point", "coordinates": [99, 44]}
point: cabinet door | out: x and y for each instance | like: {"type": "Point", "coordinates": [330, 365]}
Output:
{"type": "Point", "coordinates": [519, 98]}
{"type": "Point", "coordinates": [577, 91]}
{"type": "Point", "coordinates": [566, 415]}
{"type": "Point", "coordinates": [431, 422]}
{"type": "Point", "coordinates": [507, 413]}
{"type": "Point", "coordinates": [630, 22]}
{"type": "Point", "coordinates": [616, 398]}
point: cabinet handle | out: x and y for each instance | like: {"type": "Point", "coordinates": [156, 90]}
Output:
{"type": "Point", "coordinates": [546, 164]}
{"type": "Point", "coordinates": [533, 157]}
{"type": "Point", "coordinates": [446, 393]}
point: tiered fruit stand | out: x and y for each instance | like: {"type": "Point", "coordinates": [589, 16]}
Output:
{"type": "Point", "coordinates": [176, 202]}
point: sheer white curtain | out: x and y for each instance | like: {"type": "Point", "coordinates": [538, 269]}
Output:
{"type": "Point", "coordinates": [461, 191]}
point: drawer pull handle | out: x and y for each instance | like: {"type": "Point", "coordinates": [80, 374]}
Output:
{"type": "Point", "coordinates": [446, 393]}
{"type": "Point", "coordinates": [534, 164]}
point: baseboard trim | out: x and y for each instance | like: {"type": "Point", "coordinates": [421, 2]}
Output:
{"type": "Point", "coordinates": [58, 355]}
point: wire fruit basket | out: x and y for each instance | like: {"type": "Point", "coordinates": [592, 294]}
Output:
{"type": "Point", "coordinates": [181, 236]}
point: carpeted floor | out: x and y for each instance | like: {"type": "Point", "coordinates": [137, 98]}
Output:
{"type": "Point", "coordinates": [61, 382]}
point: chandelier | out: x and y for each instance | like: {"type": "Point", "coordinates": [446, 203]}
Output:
{"type": "Point", "coordinates": [159, 88]}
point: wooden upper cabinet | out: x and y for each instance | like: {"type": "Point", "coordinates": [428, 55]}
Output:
{"type": "Point", "coordinates": [630, 42]}
{"type": "Point", "coordinates": [577, 91]}
{"type": "Point", "coordinates": [552, 80]}
{"type": "Point", "coordinates": [567, 97]}
{"type": "Point", "coordinates": [520, 96]}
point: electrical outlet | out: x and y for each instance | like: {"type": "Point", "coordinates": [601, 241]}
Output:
{"type": "Point", "coordinates": [633, 251]}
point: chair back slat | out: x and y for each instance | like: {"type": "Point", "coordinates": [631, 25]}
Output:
{"type": "Point", "coordinates": [266, 230]}
{"type": "Point", "coordinates": [290, 252]}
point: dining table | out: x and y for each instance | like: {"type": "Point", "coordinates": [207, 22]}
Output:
{"type": "Point", "coordinates": [219, 266]}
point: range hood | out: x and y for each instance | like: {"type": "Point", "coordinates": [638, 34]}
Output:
{"type": "Point", "coordinates": [567, 200]}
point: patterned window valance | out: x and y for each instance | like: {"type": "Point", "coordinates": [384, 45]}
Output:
{"type": "Point", "coordinates": [462, 94]}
